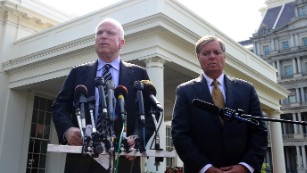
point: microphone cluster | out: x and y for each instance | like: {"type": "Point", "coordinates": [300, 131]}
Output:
{"type": "Point", "coordinates": [98, 136]}
{"type": "Point", "coordinates": [225, 113]}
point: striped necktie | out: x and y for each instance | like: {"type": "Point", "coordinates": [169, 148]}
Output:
{"type": "Point", "coordinates": [106, 75]}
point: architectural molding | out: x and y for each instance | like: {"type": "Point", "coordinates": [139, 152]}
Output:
{"type": "Point", "coordinates": [49, 53]}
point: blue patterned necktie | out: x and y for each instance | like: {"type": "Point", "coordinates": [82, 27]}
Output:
{"type": "Point", "coordinates": [106, 75]}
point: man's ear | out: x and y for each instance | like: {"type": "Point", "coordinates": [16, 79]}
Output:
{"type": "Point", "coordinates": [122, 43]}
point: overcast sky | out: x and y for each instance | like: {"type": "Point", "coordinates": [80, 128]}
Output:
{"type": "Point", "coordinates": [238, 19]}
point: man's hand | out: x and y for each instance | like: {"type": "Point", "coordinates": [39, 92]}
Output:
{"type": "Point", "coordinates": [213, 169]}
{"type": "Point", "coordinates": [73, 136]}
{"type": "Point", "coordinates": [131, 143]}
{"type": "Point", "coordinates": [235, 169]}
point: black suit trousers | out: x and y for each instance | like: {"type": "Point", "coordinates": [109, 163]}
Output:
{"type": "Point", "coordinates": [86, 164]}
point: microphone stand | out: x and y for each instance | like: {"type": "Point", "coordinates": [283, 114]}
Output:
{"type": "Point", "coordinates": [153, 113]}
{"type": "Point", "coordinates": [110, 122]}
{"type": "Point", "coordinates": [89, 135]}
{"type": "Point", "coordinates": [271, 119]}
{"type": "Point", "coordinates": [139, 140]}
{"type": "Point", "coordinates": [229, 114]}
{"type": "Point", "coordinates": [124, 137]}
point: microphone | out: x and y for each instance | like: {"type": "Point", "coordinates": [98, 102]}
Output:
{"type": "Point", "coordinates": [206, 106]}
{"type": "Point", "coordinates": [89, 130]}
{"type": "Point", "coordinates": [138, 85]}
{"type": "Point", "coordinates": [87, 142]}
{"type": "Point", "coordinates": [150, 91]}
{"type": "Point", "coordinates": [120, 93]}
{"type": "Point", "coordinates": [91, 108]}
{"type": "Point", "coordinates": [81, 93]}
{"type": "Point", "coordinates": [225, 113]}
{"type": "Point", "coordinates": [110, 103]}
{"type": "Point", "coordinates": [102, 98]}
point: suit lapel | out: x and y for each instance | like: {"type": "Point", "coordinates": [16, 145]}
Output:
{"type": "Point", "coordinates": [229, 91]}
{"type": "Point", "coordinates": [90, 80]}
{"type": "Point", "coordinates": [125, 76]}
{"type": "Point", "coordinates": [202, 90]}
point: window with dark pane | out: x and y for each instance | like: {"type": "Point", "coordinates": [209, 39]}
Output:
{"type": "Point", "coordinates": [169, 147]}
{"type": "Point", "coordinates": [39, 136]}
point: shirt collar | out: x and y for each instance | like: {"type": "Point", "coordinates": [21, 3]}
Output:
{"type": "Point", "coordinates": [115, 64]}
{"type": "Point", "coordinates": [220, 79]}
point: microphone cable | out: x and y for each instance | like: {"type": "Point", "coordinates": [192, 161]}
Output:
{"type": "Point", "coordinates": [157, 129]}
{"type": "Point", "coordinates": [119, 147]}
{"type": "Point", "coordinates": [118, 151]}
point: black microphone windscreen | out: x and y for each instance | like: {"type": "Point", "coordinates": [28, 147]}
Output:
{"type": "Point", "coordinates": [120, 90]}
{"type": "Point", "coordinates": [110, 85]}
{"type": "Point", "coordinates": [149, 88]}
{"type": "Point", "coordinates": [99, 81]}
{"type": "Point", "coordinates": [206, 106]}
{"type": "Point", "coordinates": [138, 85]}
{"type": "Point", "coordinates": [81, 89]}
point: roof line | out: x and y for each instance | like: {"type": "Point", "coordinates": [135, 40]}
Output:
{"type": "Point", "coordinates": [279, 14]}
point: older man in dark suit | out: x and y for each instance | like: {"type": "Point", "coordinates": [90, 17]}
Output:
{"type": "Point", "coordinates": [204, 142]}
{"type": "Point", "coordinates": [109, 40]}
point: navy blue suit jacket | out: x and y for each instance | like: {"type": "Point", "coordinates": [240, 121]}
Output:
{"type": "Point", "coordinates": [63, 109]}
{"type": "Point", "coordinates": [199, 136]}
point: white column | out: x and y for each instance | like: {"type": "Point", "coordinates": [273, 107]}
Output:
{"type": "Point", "coordinates": [278, 69]}
{"type": "Point", "coordinates": [302, 95]}
{"type": "Point", "coordinates": [14, 141]}
{"type": "Point", "coordinates": [258, 48]}
{"type": "Point", "coordinates": [155, 70]}
{"type": "Point", "coordinates": [292, 44]}
{"type": "Point", "coordinates": [304, 157]}
{"type": "Point", "coordinates": [297, 95]}
{"type": "Point", "coordinates": [278, 156]}
{"type": "Point", "coordinates": [273, 45]}
{"type": "Point", "coordinates": [294, 118]}
{"type": "Point", "coordinates": [300, 127]}
{"type": "Point", "coordinates": [299, 161]}
{"type": "Point", "coordinates": [296, 40]}
{"type": "Point", "coordinates": [284, 128]}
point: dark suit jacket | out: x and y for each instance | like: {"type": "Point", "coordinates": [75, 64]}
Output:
{"type": "Point", "coordinates": [200, 138]}
{"type": "Point", "coordinates": [64, 118]}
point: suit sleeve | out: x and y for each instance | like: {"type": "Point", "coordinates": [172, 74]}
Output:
{"type": "Point", "coordinates": [62, 107]}
{"type": "Point", "coordinates": [258, 135]}
{"type": "Point", "coordinates": [181, 127]}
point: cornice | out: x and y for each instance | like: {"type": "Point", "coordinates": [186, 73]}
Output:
{"type": "Point", "coordinates": [256, 76]}
{"type": "Point", "coordinates": [130, 29]}
{"type": "Point", "coordinates": [46, 54]}
{"type": "Point", "coordinates": [25, 13]}
{"type": "Point", "coordinates": [159, 18]}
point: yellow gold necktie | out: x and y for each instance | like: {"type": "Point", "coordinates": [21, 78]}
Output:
{"type": "Point", "coordinates": [217, 95]}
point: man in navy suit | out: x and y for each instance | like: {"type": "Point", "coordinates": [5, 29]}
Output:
{"type": "Point", "coordinates": [204, 142]}
{"type": "Point", "coordinates": [109, 40]}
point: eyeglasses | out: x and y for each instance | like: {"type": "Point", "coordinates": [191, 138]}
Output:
{"type": "Point", "coordinates": [215, 52]}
